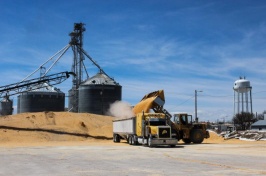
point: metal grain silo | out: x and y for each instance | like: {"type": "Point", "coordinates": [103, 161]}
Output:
{"type": "Point", "coordinates": [97, 93]}
{"type": "Point", "coordinates": [47, 98]}
{"type": "Point", "coordinates": [6, 106]}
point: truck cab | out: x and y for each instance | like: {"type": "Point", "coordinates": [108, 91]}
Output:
{"type": "Point", "coordinates": [146, 128]}
{"type": "Point", "coordinates": [152, 129]}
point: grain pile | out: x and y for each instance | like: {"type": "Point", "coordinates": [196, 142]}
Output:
{"type": "Point", "coordinates": [54, 127]}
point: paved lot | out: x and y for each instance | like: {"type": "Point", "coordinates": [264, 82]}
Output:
{"type": "Point", "coordinates": [113, 160]}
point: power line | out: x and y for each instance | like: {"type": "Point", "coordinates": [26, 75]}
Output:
{"type": "Point", "coordinates": [216, 95]}
{"type": "Point", "coordinates": [184, 101]}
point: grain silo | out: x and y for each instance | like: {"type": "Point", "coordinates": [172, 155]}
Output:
{"type": "Point", "coordinates": [6, 106]}
{"type": "Point", "coordinates": [47, 98]}
{"type": "Point", "coordinates": [97, 93]}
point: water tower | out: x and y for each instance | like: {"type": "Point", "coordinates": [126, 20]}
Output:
{"type": "Point", "coordinates": [242, 96]}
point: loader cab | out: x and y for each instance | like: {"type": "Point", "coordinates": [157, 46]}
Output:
{"type": "Point", "coordinates": [183, 119]}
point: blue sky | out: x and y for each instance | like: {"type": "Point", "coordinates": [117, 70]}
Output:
{"type": "Point", "coordinates": [178, 46]}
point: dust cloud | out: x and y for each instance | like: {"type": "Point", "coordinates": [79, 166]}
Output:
{"type": "Point", "coordinates": [121, 110]}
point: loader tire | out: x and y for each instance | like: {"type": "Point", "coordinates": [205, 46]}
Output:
{"type": "Point", "coordinates": [196, 136]}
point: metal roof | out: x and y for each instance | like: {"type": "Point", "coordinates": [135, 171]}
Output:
{"type": "Point", "coordinates": [100, 79]}
{"type": "Point", "coordinates": [45, 88]}
{"type": "Point", "coordinates": [259, 123]}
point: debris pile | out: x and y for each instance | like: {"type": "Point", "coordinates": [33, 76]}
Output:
{"type": "Point", "coordinates": [245, 135]}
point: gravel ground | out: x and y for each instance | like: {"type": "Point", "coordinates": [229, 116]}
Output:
{"type": "Point", "coordinates": [122, 159]}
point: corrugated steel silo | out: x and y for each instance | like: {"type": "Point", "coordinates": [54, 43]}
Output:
{"type": "Point", "coordinates": [6, 106]}
{"type": "Point", "coordinates": [18, 104]}
{"type": "Point", "coordinates": [97, 93]}
{"type": "Point", "coordinates": [45, 99]}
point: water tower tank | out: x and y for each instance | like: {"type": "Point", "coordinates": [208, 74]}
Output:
{"type": "Point", "coordinates": [242, 85]}
{"type": "Point", "coordinates": [97, 93]}
{"type": "Point", "coordinates": [45, 99]}
{"type": "Point", "coordinates": [6, 106]}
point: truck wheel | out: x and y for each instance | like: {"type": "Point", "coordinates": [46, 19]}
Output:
{"type": "Point", "coordinates": [196, 136]}
{"type": "Point", "coordinates": [117, 138]}
{"type": "Point", "coordinates": [149, 141]}
{"type": "Point", "coordinates": [130, 140]}
{"type": "Point", "coordinates": [114, 140]}
{"type": "Point", "coordinates": [134, 140]}
{"type": "Point", "coordinates": [186, 141]}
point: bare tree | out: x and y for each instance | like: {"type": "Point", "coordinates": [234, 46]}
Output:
{"type": "Point", "coordinates": [243, 120]}
{"type": "Point", "coordinates": [261, 116]}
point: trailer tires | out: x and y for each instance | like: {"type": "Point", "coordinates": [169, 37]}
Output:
{"type": "Point", "coordinates": [196, 136]}
{"type": "Point", "coordinates": [116, 138]}
{"type": "Point", "coordinates": [130, 140]}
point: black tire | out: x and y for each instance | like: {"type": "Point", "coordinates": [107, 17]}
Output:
{"type": "Point", "coordinates": [149, 142]}
{"type": "Point", "coordinates": [196, 136]}
{"type": "Point", "coordinates": [117, 138]}
{"type": "Point", "coordinates": [134, 142]}
{"type": "Point", "coordinates": [114, 139]}
{"type": "Point", "coordinates": [130, 140]}
{"type": "Point", "coordinates": [186, 141]}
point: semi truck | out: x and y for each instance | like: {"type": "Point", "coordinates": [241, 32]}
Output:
{"type": "Point", "coordinates": [149, 129]}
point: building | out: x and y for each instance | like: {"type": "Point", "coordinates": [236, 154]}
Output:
{"type": "Point", "coordinates": [259, 125]}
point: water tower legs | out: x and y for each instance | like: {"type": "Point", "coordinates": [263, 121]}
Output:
{"type": "Point", "coordinates": [242, 102]}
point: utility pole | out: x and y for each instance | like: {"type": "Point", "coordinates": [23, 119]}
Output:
{"type": "Point", "coordinates": [196, 113]}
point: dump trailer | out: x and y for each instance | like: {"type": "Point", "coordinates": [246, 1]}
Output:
{"type": "Point", "coordinates": [149, 129]}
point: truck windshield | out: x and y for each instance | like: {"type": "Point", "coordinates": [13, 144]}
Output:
{"type": "Point", "coordinates": [157, 122]}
